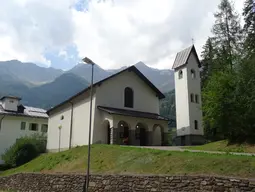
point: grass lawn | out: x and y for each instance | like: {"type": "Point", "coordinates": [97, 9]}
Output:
{"type": "Point", "coordinates": [223, 146]}
{"type": "Point", "coordinates": [121, 159]}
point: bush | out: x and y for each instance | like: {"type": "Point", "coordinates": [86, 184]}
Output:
{"type": "Point", "coordinates": [24, 150]}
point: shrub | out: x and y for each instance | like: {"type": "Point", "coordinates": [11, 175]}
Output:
{"type": "Point", "coordinates": [24, 149]}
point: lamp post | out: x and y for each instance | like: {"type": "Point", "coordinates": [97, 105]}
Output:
{"type": "Point", "coordinates": [90, 62]}
{"type": "Point", "coordinates": [59, 137]}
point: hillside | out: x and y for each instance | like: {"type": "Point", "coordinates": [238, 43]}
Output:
{"type": "Point", "coordinates": [46, 87]}
{"type": "Point", "coordinates": [28, 73]}
{"type": "Point", "coordinates": [46, 95]}
{"type": "Point", "coordinates": [51, 94]}
{"type": "Point", "coordinates": [163, 79]}
{"type": "Point", "coordinates": [84, 71]}
{"type": "Point", "coordinates": [167, 107]}
{"type": "Point", "coordinates": [10, 85]}
{"type": "Point", "coordinates": [121, 159]}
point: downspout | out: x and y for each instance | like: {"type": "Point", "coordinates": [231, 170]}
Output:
{"type": "Point", "coordinates": [71, 126]}
{"type": "Point", "coordinates": [1, 120]}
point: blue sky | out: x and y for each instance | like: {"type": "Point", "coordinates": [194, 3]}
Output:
{"type": "Point", "coordinates": [113, 33]}
{"type": "Point", "coordinates": [68, 59]}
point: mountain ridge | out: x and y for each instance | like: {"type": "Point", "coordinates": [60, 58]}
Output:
{"type": "Point", "coordinates": [46, 87]}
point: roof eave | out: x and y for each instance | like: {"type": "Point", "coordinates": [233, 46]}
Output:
{"type": "Point", "coordinates": [23, 115]}
{"type": "Point", "coordinates": [113, 113]}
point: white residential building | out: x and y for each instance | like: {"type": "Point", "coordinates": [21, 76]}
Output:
{"type": "Point", "coordinates": [17, 120]}
{"type": "Point", "coordinates": [188, 98]}
{"type": "Point", "coordinates": [125, 106]}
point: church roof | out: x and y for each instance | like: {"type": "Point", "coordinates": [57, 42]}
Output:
{"type": "Point", "coordinates": [132, 113]}
{"type": "Point", "coordinates": [182, 57]}
{"type": "Point", "coordinates": [131, 68]}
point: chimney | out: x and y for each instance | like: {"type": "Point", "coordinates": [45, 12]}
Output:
{"type": "Point", "coordinates": [10, 103]}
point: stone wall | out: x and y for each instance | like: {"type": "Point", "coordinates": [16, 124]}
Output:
{"type": "Point", "coordinates": [74, 183]}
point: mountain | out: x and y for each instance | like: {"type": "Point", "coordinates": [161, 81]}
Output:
{"type": "Point", "coordinates": [163, 79]}
{"type": "Point", "coordinates": [46, 95]}
{"type": "Point", "coordinates": [53, 93]}
{"type": "Point", "coordinates": [46, 87]}
{"type": "Point", "coordinates": [84, 71]}
{"type": "Point", "coordinates": [10, 85]}
{"type": "Point", "coordinates": [28, 73]}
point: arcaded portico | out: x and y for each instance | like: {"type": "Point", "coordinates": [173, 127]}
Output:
{"type": "Point", "coordinates": [127, 127]}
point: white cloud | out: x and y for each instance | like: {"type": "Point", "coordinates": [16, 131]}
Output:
{"type": "Point", "coordinates": [29, 28]}
{"type": "Point", "coordinates": [112, 33]}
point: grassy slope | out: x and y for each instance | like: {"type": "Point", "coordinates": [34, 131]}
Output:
{"type": "Point", "coordinates": [117, 159]}
{"type": "Point", "coordinates": [223, 146]}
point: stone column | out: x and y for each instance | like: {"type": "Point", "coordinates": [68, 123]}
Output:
{"type": "Point", "coordinates": [114, 136]}
{"type": "Point", "coordinates": [132, 139]}
{"type": "Point", "coordinates": [149, 135]}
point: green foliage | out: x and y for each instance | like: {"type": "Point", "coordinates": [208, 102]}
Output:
{"type": "Point", "coordinates": [24, 149]}
{"type": "Point", "coordinates": [208, 63]}
{"type": "Point", "coordinates": [228, 77]}
{"type": "Point", "coordinates": [229, 104]}
{"type": "Point", "coordinates": [167, 107]}
{"type": "Point", "coordinates": [218, 97]}
{"type": "Point", "coordinates": [249, 27]}
{"type": "Point", "coordinates": [227, 35]}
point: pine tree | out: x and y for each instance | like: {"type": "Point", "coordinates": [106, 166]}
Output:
{"type": "Point", "coordinates": [208, 55]}
{"type": "Point", "coordinates": [249, 27]}
{"type": "Point", "coordinates": [227, 34]}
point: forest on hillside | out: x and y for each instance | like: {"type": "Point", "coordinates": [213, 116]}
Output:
{"type": "Point", "coordinates": [167, 108]}
{"type": "Point", "coordinates": [228, 75]}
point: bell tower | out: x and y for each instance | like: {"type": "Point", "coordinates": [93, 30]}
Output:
{"type": "Point", "coordinates": [188, 98]}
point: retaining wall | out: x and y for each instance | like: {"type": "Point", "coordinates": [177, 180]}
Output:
{"type": "Point", "coordinates": [36, 182]}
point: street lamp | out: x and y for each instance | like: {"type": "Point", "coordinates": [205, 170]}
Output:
{"type": "Point", "coordinates": [90, 62]}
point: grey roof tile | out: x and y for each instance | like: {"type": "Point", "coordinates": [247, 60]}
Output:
{"type": "Point", "coordinates": [182, 57]}
{"type": "Point", "coordinates": [28, 112]}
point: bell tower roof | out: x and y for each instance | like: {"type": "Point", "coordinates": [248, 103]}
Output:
{"type": "Point", "coordinates": [182, 57]}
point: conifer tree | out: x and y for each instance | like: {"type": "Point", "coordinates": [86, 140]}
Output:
{"type": "Point", "coordinates": [249, 27]}
{"type": "Point", "coordinates": [208, 57]}
{"type": "Point", "coordinates": [227, 34]}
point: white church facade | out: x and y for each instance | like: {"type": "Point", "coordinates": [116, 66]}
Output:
{"type": "Point", "coordinates": [188, 98]}
{"type": "Point", "coordinates": [125, 110]}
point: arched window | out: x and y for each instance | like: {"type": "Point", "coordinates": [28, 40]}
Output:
{"type": "Point", "coordinates": [180, 74]}
{"type": "Point", "coordinates": [193, 73]}
{"type": "Point", "coordinates": [196, 124]}
{"type": "Point", "coordinates": [192, 97]}
{"type": "Point", "coordinates": [129, 98]}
